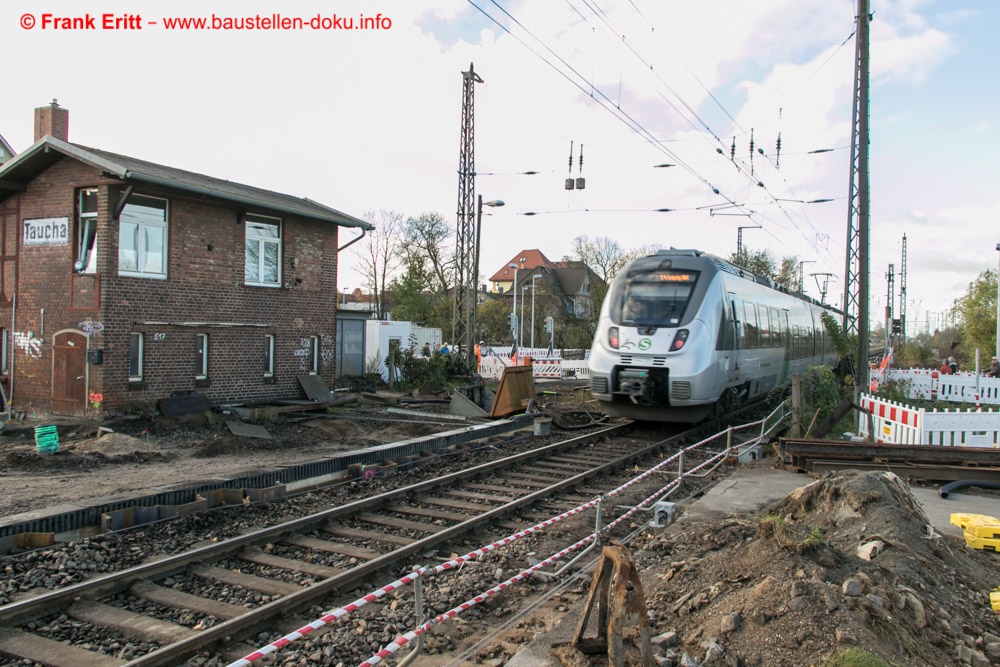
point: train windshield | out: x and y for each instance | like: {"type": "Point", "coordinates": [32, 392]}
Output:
{"type": "Point", "coordinates": [656, 298]}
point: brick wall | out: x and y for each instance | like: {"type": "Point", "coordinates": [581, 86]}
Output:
{"type": "Point", "coordinates": [204, 293]}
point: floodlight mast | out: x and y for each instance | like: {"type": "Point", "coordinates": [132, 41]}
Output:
{"type": "Point", "coordinates": [463, 312]}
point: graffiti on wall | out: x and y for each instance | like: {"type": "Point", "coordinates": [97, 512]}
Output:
{"type": "Point", "coordinates": [304, 354]}
{"type": "Point", "coordinates": [90, 328]}
{"type": "Point", "coordinates": [327, 351]}
{"type": "Point", "coordinates": [26, 341]}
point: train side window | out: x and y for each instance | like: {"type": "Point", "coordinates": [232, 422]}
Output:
{"type": "Point", "coordinates": [793, 333]}
{"type": "Point", "coordinates": [776, 327]}
{"type": "Point", "coordinates": [727, 338]}
{"type": "Point", "coordinates": [750, 322]}
{"type": "Point", "coordinates": [765, 328]}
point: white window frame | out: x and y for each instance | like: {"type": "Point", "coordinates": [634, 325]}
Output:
{"type": "Point", "coordinates": [252, 223]}
{"type": "Point", "coordinates": [140, 343]}
{"type": "Point", "coordinates": [86, 254]}
{"type": "Point", "coordinates": [142, 252]}
{"type": "Point", "coordinates": [314, 355]}
{"type": "Point", "coordinates": [202, 356]}
{"type": "Point", "coordinates": [268, 355]}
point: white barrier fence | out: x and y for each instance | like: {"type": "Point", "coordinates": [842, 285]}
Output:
{"type": "Point", "coordinates": [930, 385]}
{"type": "Point", "coordinates": [900, 424]}
{"type": "Point", "coordinates": [542, 365]}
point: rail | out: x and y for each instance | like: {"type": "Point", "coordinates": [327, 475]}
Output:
{"type": "Point", "coordinates": [729, 448]}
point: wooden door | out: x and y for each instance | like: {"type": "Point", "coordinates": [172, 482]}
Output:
{"type": "Point", "coordinates": [69, 374]}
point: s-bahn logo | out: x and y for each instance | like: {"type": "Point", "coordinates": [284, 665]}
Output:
{"type": "Point", "coordinates": [645, 344]}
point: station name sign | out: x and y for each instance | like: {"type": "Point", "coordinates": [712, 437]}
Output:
{"type": "Point", "coordinates": [46, 231]}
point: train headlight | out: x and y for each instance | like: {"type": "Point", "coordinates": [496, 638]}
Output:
{"type": "Point", "coordinates": [679, 340]}
{"type": "Point", "coordinates": [613, 337]}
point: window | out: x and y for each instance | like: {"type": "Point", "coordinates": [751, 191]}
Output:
{"type": "Point", "coordinates": [313, 355]}
{"type": "Point", "coordinates": [86, 231]}
{"type": "Point", "coordinates": [201, 356]}
{"type": "Point", "coordinates": [135, 353]}
{"type": "Point", "coordinates": [142, 238]}
{"type": "Point", "coordinates": [263, 251]}
{"type": "Point", "coordinates": [269, 355]}
{"type": "Point", "coordinates": [4, 367]}
{"type": "Point", "coordinates": [750, 324]}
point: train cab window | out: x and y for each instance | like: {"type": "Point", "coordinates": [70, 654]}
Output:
{"type": "Point", "coordinates": [750, 322]}
{"type": "Point", "coordinates": [655, 298]}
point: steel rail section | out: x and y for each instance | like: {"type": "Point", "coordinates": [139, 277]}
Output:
{"type": "Point", "coordinates": [17, 613]}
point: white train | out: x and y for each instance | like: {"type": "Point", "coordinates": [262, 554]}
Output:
{"type": "Point", "coordinates": [684, 335]}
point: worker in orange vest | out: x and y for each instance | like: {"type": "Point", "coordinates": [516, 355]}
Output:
{"type": "Point", "coordinates": [479, 354]}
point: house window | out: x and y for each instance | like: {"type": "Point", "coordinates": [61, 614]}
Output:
{"type": "Point", "coordinates": [201, 357]}
{"type": "Point", "coordinates": [142, 238]}
{"type": "Point", "coordinates": [313, 355]}
{"type": "Point", "coordinates": [4, 368]}
{"type": "Point", "coordinates": [86, 231]}
{"type": "Point", "coordinates": [269, 355]}
{"type": "Point", "coordinates": [135, 354]}
{"type": "Point", "coordinates": [263, 251]}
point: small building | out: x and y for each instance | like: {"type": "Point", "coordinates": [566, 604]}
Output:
{"type": "Point", "coordinates": [124, 282]}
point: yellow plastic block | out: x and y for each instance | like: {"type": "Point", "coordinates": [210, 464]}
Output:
{"type": "Point", "coordinates": [979, 525]}
{"type": "Point", "coordinates": [982, 543]}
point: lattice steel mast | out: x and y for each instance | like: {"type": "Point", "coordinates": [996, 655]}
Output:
{"type": "Point", "coordinates": [464, 312]}
{"type": "Point", "coordinates": [856, 275]}
{"type": "Point", "coordinates": [902, 294]}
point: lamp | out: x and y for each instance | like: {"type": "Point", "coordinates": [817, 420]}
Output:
{"type": "Point", "coordinates": [998, 309]}
{"type": "Point", "coordinates": [533, 279]}
{"type": "Point", "coordinates": [471, 333]}
{"type": "Point", "coordinates": [513, 313]}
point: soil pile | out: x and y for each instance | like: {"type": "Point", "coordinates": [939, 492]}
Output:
{"type": "Point", "coordinates": [845, 561]}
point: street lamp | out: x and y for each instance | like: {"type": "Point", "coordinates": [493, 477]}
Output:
{"type": "Point", "coordinates": [471, 333]}
{"type": "Point", "coordinates": [520, 322]}
{"type": "Point", "coordinates": [533, 279]}
{"type": "Point", "coordinates": [513, 313]}
{"type": "Point", "coordinates": [998, 309]}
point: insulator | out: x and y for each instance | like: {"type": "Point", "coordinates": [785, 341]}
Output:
{"type": "Point", "coordinates": [581, 183]}
{"type": "Point", "coordinates": [581, 160]}
{"type": "Point", "coordinates": [569, 183]}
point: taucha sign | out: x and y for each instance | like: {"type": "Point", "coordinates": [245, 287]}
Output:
{"type": "Point", "coordinates": [46, 231]}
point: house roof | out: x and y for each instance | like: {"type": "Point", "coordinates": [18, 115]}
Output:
{"type": "Point", "coordinates": [570, 276]}
{"type": "Point", "coordinates": [525, 260]}
{"type": "Point", "coordinates": [18, 172]}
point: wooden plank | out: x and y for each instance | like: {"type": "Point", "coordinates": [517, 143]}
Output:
{"type": "Point", "coordinates": [431, 513]}
{"type": "Point", "coordinates": [132, 625]}
{"type": "Point", "coordinates": [270, 560]}
{"type": "Point", "coordinates": [359, 534]}
{"type": "Point", "coordinates": [248, 581]}
{"type": "Point", "coordinates": [349, 550]}
{"type": "Point", "coordinates": [181, 600]}
{"type": "Point", "coordinates": [404, 524]}
{"type": "Point", "coordinates": [45, 651]}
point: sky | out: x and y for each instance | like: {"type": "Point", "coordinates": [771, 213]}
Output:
{"type": "Point", "coordinates": [368, 120]}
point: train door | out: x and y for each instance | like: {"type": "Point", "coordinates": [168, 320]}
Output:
{"type": "Point", "coordinates": [786, 339]}
{"type": "Point", "coordinates": [736, 322]}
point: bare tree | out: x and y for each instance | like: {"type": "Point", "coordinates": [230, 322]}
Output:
{"type": "Point", "coordinates": [380, 259]}
{"type": "Point", "coordinates": [423, 240]}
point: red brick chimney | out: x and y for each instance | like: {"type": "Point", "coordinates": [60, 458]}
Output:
{"type": "Point", "coordinates": [52, 120]}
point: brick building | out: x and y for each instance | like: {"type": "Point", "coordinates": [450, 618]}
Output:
{"type": "Point", "coordinates": [123, 282]}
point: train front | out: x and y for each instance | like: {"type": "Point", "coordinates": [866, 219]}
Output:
{"type": "Point", "coordinates": [654, 349]}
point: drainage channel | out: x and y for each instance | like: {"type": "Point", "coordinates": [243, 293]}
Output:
{"type": "Point", "coordinates": [41, 528]}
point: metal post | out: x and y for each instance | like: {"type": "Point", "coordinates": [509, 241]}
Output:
{"type": "Point", "coordinates": [998, 309]}
{"type": "Point", "coordinates": [533, 279]}
{"type": "Point", "coordinates": [513, 322]}
{"type": "Point", "coordinates": [520, 322]}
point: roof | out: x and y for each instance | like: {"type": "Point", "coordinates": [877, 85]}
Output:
{"type": "Point", "coordinates": [18, 172]}
{"type": "Point", "coordinates": [571, 276]}
{"type": "Point", "coordinates": [525, 260]}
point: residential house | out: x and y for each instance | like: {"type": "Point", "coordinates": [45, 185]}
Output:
{"type": "Point", "coordinates": [124, 282]}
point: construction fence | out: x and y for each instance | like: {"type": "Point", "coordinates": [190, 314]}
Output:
{"type": "Point", "coordinates": [896, 423]}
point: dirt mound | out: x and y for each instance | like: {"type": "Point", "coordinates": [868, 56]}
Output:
{"type": "Point", "coordinates": [114, 444]}
{"type": "Point", "coordinates": [792, 585]}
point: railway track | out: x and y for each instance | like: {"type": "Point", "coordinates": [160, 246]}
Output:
{"type": "Point", "coordinates": [165, 611]}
